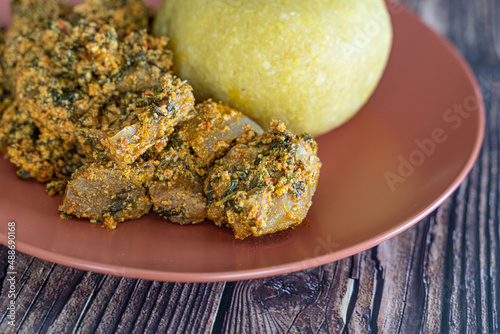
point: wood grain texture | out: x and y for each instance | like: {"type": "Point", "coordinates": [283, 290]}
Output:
{"type": "Point", "coordinates": [440, 276]}
{"type": "Point", "coordinates": [58, 299]}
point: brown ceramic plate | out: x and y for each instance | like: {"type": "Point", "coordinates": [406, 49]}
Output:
{"type": "Point", "coordinates": [390, 166]}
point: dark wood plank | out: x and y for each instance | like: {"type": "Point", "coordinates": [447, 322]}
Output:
{"type": "Point", "coordinates": [402, 295]}
{"type": "Point", "coordinates": [366, 278]}
{"type": "Point", "coordinates": [434, 269]}
{"type": "Point", "coordinates": [59, 299]}
{"type": "Point", "coordinates": [294, 302]}
{"type": "Point", "coordinates": [77, 304]}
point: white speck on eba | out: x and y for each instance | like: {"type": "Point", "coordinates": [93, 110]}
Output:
{"type": "Point", "coordinates": [266, 65]}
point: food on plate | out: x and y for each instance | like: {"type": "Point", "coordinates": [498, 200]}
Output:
{"type": "Point", "coordinates": [311, 64]}
{"type": "Point", "coordinates": [89, 106]}
{"type": "Point", "coordinates": [108, 193]}
{"type": "Point", "coordinates": [70, 74]}
{"type": "Point", "coordinates": [264, 185]}
{"type": "Point", "coordinates": [154, 120]}
{"type": "Point", "coordinates": [177, 191]}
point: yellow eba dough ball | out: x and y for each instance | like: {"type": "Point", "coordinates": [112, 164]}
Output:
{"type": "Point", "coordinates": [312, 64]}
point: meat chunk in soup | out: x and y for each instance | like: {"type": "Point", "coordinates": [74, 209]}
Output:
{"type": "Point", "coordinates": [263, 186]}
{"type": "Point", "coordinates": [107, 193]}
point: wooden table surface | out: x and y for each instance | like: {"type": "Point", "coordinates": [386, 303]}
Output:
{"type": "Point", "coordinates": [439, 276]}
